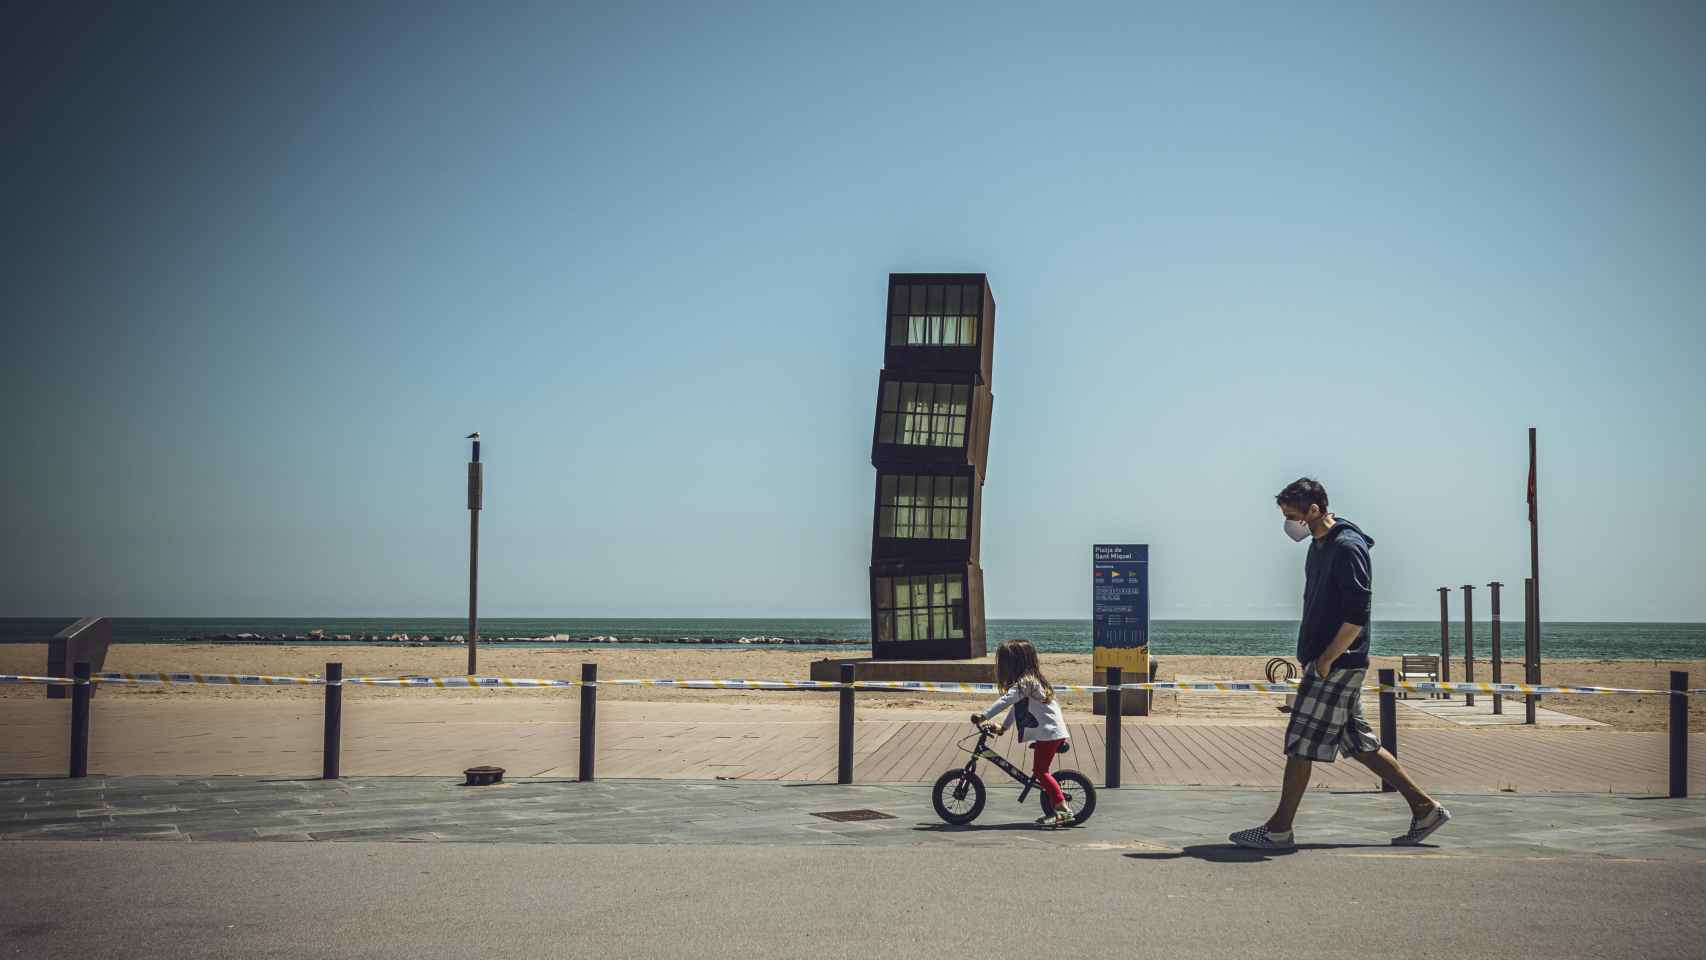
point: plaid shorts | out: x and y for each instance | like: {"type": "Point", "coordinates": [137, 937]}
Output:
{"type": "Point", "coordinates": [1326, 721]}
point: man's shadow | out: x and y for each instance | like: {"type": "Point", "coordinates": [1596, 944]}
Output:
{"type": "Point", "coordinates": [1232, 853]}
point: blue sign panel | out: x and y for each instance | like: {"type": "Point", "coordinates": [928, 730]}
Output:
{"type": "Point", "coordinates": [1119, 576]}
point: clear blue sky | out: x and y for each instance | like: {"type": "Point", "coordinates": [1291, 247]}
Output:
{"type": "Point", "coordinates": [263, 271]}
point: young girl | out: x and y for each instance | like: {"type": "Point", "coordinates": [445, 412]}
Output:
{"type": "Point", "coordinates": [1037, 712]}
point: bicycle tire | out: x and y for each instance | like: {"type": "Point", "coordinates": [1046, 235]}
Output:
{"type": "Point", "coordinates": [1080, 786]}
{"type": "Point", "coordinates": [941, 793]}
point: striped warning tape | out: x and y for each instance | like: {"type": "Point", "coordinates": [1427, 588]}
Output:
{"type": "Point", "coordinates": [457, 682]}
{"type": "Point", "coordinates": [920, 686]}
{"type": "Point", "coordinates": [1199, 686]}
{"type": "Point", "coordinates": [728, 684]}
{"type": "Point", "coordinates": [1428, 686]}
{"type": "Point", "coordinates": [208, 679]}
{"type": "Point", "coordinates": [1216, 686]}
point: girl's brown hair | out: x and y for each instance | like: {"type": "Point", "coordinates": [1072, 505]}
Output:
{"type": "Point", "coordinates": [1015, 660]}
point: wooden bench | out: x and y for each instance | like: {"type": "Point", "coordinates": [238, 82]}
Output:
{"type": "Point", "coordinates": [1421, 668]}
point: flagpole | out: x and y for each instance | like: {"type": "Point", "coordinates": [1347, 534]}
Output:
{"type": "Point", "coordinates": [476, 498]}
{"type": "Point", "coordinates": [1534, 544]}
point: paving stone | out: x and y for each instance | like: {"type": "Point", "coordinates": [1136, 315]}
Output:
{"type": "Point", "coordinates": [648, 812]}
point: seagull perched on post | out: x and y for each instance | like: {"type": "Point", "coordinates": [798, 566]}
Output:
{"type": "Point", "coordinates": [473, 436]}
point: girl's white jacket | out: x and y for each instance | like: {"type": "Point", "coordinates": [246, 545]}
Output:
{"type": "Point", "coordinates": [1037, 714]}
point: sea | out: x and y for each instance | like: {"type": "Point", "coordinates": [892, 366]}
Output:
{"type": "Point", "coordinates": [1590, 641]}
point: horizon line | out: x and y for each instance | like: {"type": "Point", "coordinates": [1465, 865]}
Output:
{"type": "Point", "coordinates": [633, 616]}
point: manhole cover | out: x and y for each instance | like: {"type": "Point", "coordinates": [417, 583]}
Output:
{"type": "Point", "coordinates": [848, 816]}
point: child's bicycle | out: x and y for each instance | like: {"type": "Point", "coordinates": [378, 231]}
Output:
{"type": "Point", "coordinates": [959, 793]}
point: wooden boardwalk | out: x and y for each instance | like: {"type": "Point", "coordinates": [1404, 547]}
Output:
{"type": "Point", "coordinates": [1469, 761]}
{"type": "Point", "coordinates": [537, 740]}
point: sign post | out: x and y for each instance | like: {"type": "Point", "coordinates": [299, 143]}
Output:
{"type": "Point", "coordinates": [1119, 603]}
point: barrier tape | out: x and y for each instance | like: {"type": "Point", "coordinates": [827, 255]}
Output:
{"type": "Point", "coordinates": [1217, 686]}
{"type": "Point", "coordinates": [1428, 686]}
{"type": "Point", "coordinates": [1188, 686]}
{"type": "Point", "coordinates": [902, 686]}
{"type": "Point", "coordinates": [727, 684]}
{"type": "Point", "coordinates": [457, 682]}
{"type": "Point", "coordinates": [208, 679]}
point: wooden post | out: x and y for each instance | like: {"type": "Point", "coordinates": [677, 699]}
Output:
{"type": "Point", "coordinates": [331, 748]}
{"type": "Point", "coordinates": [589, 720]}
{"type": "Point", "coordinates": [1388, 719]}
{"type": "Point", "coordinates": [80, 692]}
{"type": "Point", "coordinates": [844, 728]}
{"type": "Point", "coordinates": [1679, 733]}
{"type": "Point", "coordinates": [1498, 654]}
{"type": "Point", "coordinates": [1111, 763]}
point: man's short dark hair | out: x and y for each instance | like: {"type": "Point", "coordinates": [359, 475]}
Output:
{"type": "Point", "coordinates": [1300, 493]}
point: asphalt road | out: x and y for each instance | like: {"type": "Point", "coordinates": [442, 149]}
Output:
{"type": "Point", "coordinates": [402, 900]}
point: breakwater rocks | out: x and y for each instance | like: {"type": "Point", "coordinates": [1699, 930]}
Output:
{"type": "Point", "coordinates": [458, 640]}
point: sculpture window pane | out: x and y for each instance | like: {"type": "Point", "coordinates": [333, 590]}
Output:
{"type": "Point", "coordinates": [934, 314]}
{"type": "Point", "coordinates": [924, 414]}
{"type": "Point", "coordinates": [923, 507]}
{"type": "Point", "coordinates": [920, 608]}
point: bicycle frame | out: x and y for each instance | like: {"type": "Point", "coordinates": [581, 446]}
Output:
{"type": "Point", "coordinates": [982, 752]}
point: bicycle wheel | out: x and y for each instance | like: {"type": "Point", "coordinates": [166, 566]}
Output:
{"type": "Point", "coordinates": [1080, 795]}
{"type": "Point", "coordinates": [958, 796]}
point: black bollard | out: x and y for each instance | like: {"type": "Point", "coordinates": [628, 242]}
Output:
{"type": "Point", "coordinates": [1498, 654]}
{"type": "Point", "coordinates": [1531, 648]}
{"type": "Point", "coordinates": [1111, 764]}
{"type": "Point", "coordinates": [844, 731]}
{"type": "Point", "coordinates": [1388, 720]}
{"type": "Point", "coordinates": [1469, 640]}
{"type": "Point", "coordinates": [332, 748]}
{"type": "Point", "coordinates": [589, 719]}
{"type": "Point", "coordinates": [1444, 640]}
{"type": "Point", "coordinates": [1679, 733]}
{"type": "Point", "coordinates": [80, 692]}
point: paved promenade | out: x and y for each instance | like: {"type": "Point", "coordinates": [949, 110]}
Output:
{"type": "Point", "coordinates": [1156, 822]}
{"type": "Point", "coordinates": [794, 742]}
{"type": "Point", "coordinates": [700, 870]}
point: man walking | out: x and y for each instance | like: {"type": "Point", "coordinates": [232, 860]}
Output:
{"type": "Point", "coordinates": [1332, 647]}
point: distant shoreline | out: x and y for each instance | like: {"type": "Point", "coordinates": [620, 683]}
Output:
{"type": "Point", "coordinates": [532, 646]}
{"type": "Point", "coordinates": [1560, 639]}
{"type": "Point", "coordinates": [557, 640]}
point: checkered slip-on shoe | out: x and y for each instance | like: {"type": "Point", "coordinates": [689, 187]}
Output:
{"type": "Point", "coordinates": [1423, 827]}
{"type": "Point", "coordinates": [1261, 838]}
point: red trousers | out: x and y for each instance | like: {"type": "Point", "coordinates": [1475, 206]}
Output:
{"type": "Point", "coordinates": [1046, 749]}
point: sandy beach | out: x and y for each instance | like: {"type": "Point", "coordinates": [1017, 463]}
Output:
{"type": "Point", "coordinates": [1634, 713]}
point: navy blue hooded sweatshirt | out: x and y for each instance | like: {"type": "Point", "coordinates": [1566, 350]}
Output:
{"type": "Point", "coordinates": [1338, 586]}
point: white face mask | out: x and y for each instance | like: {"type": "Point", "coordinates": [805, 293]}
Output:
{"type": "Point", "coordinates": [1297, 530]}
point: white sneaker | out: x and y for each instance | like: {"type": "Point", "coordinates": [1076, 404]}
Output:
{"type": "Point", "coordinates": [1422, 827]}
{"type": "Point", "coordinates": [1059, 818]}
{"type": "Point", "coordinates": [1261, 838]}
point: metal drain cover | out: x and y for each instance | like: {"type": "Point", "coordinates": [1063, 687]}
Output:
{"type": "Point", "coordinates": [850, 816]}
